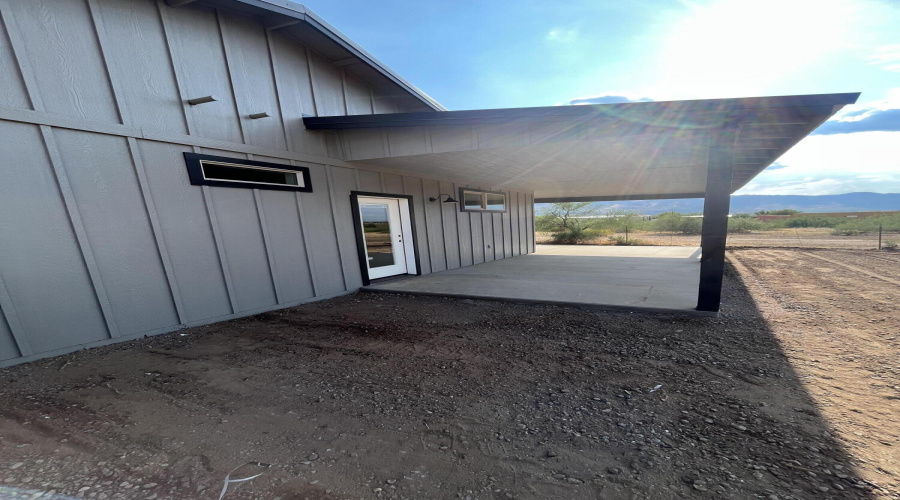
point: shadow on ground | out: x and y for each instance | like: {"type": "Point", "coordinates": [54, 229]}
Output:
{"type": "Point", "coordinates": [388, 396]}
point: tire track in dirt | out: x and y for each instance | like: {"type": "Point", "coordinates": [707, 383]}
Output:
{"type": "Point", "coordinates": [839, 333]}
{"type": "Point", "coordinates": [853, 268]}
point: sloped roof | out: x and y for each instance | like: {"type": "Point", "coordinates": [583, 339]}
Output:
{"type": "Point", "coordinates": [594, 152]}
{"type": "Point", "coordinates": [300, 23]}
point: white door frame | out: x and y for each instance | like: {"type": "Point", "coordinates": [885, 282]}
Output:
{"type": "Point", "coordinates": [403, 242]}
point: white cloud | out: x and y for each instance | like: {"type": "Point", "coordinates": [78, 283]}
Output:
{"type": "Point", "coordinates": [831, 164]}
{"type": "Point", "coordinates": [886, 56]}
{"type": "Point", "coordinates": [731, 48]}
{"type": "Point", "coordinates": [562, 35]}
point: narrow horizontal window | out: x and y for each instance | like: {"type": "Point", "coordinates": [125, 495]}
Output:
{"type": "Point", "coordinates": [206, 170]}
{"type": "Point", "coordinates": [213, 170]}
{"type": "Point", "coordinates": [476, 200]}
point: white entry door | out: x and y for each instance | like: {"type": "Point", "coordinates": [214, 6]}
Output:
{"type": "Point", "coordinates": [385, 234]}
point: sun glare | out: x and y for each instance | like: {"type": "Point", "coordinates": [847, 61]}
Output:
{"type": "Point", "coordinates": [737, 47]}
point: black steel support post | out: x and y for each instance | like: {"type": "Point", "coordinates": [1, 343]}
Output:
{"type": "Point", "coordinates": [716, 204]}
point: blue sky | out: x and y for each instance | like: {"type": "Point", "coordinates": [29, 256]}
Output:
{"type": "Point", "coordinates": [496, 54]}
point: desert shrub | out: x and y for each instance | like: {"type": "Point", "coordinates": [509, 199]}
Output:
{"type": "Point", "coordinates": [677, 223]}
{"type": "Point", "coordinates": [810, 221]}
{"type": "Point", "coordinates": [745, 225]}
{"type": "Point", "coordinates": [574, 235]}
{"type": "Point", "coordinates": [620, 241]}
{"type": "Point", "coordinates": [850, 227]}
{"type": "Point", "coordinates": [783, 211]}
{"type": "Point", "coordinates": [890, 245]}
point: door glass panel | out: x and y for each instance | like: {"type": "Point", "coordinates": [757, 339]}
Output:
{"type": "Point", "coordinates": [377, 233]}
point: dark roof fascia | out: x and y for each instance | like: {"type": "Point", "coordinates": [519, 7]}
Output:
{"type": "Point", "coordinates": [303, 14]}
{"type": "Point", "coordinates": [481, 116]}
{"type": "Point", "coordinates": [622, 197]}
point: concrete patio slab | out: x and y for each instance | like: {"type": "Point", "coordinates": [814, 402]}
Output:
{"type": "Point", "coordinates": [659, 278]}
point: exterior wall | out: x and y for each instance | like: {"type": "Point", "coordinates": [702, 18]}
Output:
{"type": "Point", "coordinates": [103, 237]}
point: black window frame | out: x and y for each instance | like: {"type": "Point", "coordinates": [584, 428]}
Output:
{"type": "Point", "coordinates": [462, 201]}
{"type": "Point", "coordinates": [195, 173]}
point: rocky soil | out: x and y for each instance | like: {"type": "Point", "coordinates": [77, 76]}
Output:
{"type": "Point", "coordinates": [793, 392]}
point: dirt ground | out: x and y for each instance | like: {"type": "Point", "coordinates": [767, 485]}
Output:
{"type": "Point", "coordinates": [774, 238]}
{"type": "Point", "coordinates": [793, 391]}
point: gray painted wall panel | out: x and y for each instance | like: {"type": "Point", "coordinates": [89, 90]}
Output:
{"type": "Point", "coordinates": [512, 199]}
{"type": "Point", "coordinates": [61, 45]}
{"type": "Point", "coordinates": [243, 241]}
{"type": "Point", "coordinates": [383, 104]}
{"type": "Point", "coordinates": [197, 45]}
{"type": "Point", "coordinates": [254, 87]}
{"type": "Point", "coordinates": [291, 267]}
{"type": "Point", "coordinates": [295, 93]}
{"type": "Point", "coordinates": [499, 236]}
{"type": "Point", "coordinates": [451, 233]}
{"type": "Point", "coordinates": [109, 201]}
{"type": "Point", "coordinates": [345, 182]}
{"type": "Point", "coordinates": [39, 259]}
{"type": "Point", "coordinates": [412, 186]}
{"type": "Point", "coordinates": [186, 231]}
{"type": "Point", "coordinates": [364, 143]}
{"type": "Point", "coordinates": [393, 184]}
{"type": "Point", "coordinates": [475, 221]}
{"type": "Point", "coordinates": [321, 229]}
{"type": "Point", "coordinates": [139, 63]}
{"type": "Point", "coordinates": [487, 231]}
{"type": "Point", "coordinates": [12, 87]}
{"type": "Point", "coordinates": [506, 225]}
{"type": "Point", "coordinates": [404, 141]}
{"type": "Point", "coordinates": [370, 181]}
{"type": "Point", "coordinates": [327, 87]}
{"type": "Point", "coordinates": [464, 229]}
{"type": "Point", "coordinates": [223, 251]}
{"type": "Point", "coordinates": [434, 221]}
{"type": "Point", "coordinates": [359, 100]}
{"type": "Point", "coordinates": [8, 348]}
{"type": "Point", "coordinates": [523, 223]}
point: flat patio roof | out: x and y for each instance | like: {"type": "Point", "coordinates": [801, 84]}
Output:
{"type": "Point", "coordinates": [638, 150]}
{"type": "Point", "coordinates": [653, 278]}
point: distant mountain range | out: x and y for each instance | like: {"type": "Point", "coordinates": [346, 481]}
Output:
{"type": "Point", "coordinates": [849, 202]}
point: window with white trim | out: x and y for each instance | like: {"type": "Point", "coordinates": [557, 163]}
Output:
{"type": "Point", "coordinates": [208, 170]}
{"type": "Point", "coordinates": [479, 200]}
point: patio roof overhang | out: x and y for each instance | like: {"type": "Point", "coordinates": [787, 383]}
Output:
{"type": "Point", "coordinates": [641, 150]}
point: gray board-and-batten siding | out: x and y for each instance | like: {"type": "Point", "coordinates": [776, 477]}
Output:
{"type": "Point", "coordinates": [103, 238]}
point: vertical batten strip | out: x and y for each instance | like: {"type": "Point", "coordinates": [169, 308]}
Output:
{"type": "Point", "coordinates": [329, 178]}
{"type": "Point", "coordinates": [424, 222]}
{"type": "Point", "coordinates": [310, 67]}
{"type": "Point", "coordinates": [425, 218]}
{"type": "Point", "coordinates": [18, 50]}
{"type": "Point", "coordinates": [273, 271]}
{"type": "Point", "coordinates": [103, 43]}
{"type": "Point", "coordinates": [523, 223]}
{"type": "Point", "coordinates": [529, 214]}
{"type": "Point", "coordinates": [65, 189]}
{"type": "Point", "coordinates": [457, 213]}
{"type": "Point", "coordinates": [229, 66]}
{"type": "Point", "coordinates": [344, 92]}
{"type": "Point", "coordinates": [8, 311]}
{"type": "Point", "coordinates": [150, 206]}
{"type": "Point", "coordinates": [220, 247]}
{"type": "Point", "coordinates": [310, 260]}
{"type": "Point", "coordinates": [381, 181]}
{"type": "Point", "coordinates": [278, 97]}
{"type": "Point", "coordinates": [176, 66]}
